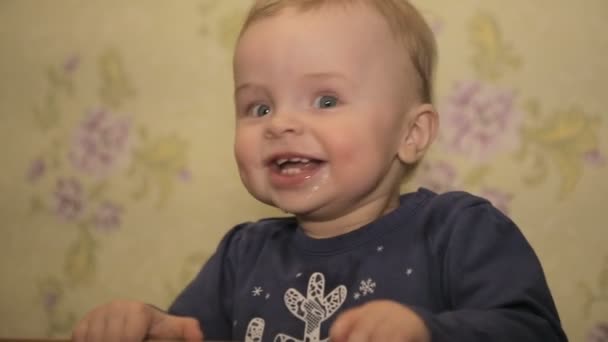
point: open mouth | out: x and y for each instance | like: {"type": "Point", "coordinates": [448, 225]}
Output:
{"type": "Point", "coordinates": [294, 165]}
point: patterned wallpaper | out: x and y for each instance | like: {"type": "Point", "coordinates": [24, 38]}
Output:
{"type": "Point", "coordinates": [116, 123]}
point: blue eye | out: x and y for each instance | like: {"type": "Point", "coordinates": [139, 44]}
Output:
{"type": "Point", "coordinates": [326, 101]}
{"type": "Point", "coordinates": [260, 110]}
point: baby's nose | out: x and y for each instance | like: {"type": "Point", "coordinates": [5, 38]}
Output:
{"type": "Point", "coordinates": [280, 124]}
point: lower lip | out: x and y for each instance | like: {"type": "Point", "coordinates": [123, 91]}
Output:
{"type": "Point", "coordinates": [283, 181]}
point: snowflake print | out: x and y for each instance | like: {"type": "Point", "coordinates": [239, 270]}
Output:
{"type": "Point", "coordinates": [380, 249]}
{"type": "Point", "coordinates": [367, 286]}
{"type": "Point", "coordinates": [357, 295]}
{"type": "Point", "coordinates": [234, 324]}
{"type": "Point", "coordinates": [299, 275]}
{"type": "Point", "coordinates": [257, 291]}
{"type": "Point", "coordinates": [409, 272]}
{"type": "Point", "coordinates": [267, 296]}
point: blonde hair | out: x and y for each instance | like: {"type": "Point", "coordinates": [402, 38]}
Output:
{"type": "Point", "coordinates": [404, 20]}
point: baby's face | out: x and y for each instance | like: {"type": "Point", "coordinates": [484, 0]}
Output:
{"type": "Point", "coordinates": [321, 98]}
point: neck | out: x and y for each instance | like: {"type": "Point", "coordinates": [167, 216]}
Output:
{"type": "Point", "coordinates": [352, 220]}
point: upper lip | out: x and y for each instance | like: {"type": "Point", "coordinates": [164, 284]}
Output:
{"type": "Point", "coordinates": [275, 158]}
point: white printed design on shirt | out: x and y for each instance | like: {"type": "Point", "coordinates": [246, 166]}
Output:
{"type": "Point", "coordinates": [257, 291]}
{"type": "Point", "coordinates": [255, 330]}
{"type": "Point", "coordinates": [313, 309]}
{"type": "Point", "coordinates": [367, 286]}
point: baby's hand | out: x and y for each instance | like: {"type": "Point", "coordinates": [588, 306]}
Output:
{"type": "Point", "coordinates": [380, 320]}
{"type": "Point", "coordinates": [134, 321]}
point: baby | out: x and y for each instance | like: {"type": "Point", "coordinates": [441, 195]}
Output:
{"type": "Point", "coordinates": [333, 111]}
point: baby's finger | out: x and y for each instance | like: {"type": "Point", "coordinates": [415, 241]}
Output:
{"type": "Point", "coordinates": [79, 334]}
{"type": "Point", "coordinates": [114, 327]}
{"type": "Point", "coordinates": [135, 328]}
{"type": "Point", "coordinates": [96, 327]}
{"type": "Point", "coordinates": [343, 325]}
{"type": "Point", "coordinates": [183, 328]}
{"type": "Point", "coordinates": [165, 326]}
{"type": "Point", "coordinates": [365, 328]}
{"type": "Point", "coordinates": [192, 330]}
{"type": "Point", "coordinates": [388, 330]}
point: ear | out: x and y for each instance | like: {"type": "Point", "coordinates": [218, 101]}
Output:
{"type": "Point", "coordinates": [421, 125]}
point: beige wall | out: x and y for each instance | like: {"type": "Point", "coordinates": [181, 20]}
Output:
{"type": "Point", "coordinates": [117, 178]}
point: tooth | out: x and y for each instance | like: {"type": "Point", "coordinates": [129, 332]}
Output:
{"type": "Point", "coordinates": [282, 161]}
{"type": "Point", "coordinates": [291, 171]}
{"type": "Point", "coordinates": [294, 160]}
{"type": "Point", "coordinates": [304, 160]}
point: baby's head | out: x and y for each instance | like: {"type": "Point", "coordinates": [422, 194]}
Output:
{"type": "Point", "coordinates": [333, 102]}
{"type": "Point", "coordinates": [404, 20]}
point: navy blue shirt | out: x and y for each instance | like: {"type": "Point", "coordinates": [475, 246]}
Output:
{"type": "Point", "coordinates": [454, 259]}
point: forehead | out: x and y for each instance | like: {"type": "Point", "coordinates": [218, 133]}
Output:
{"type": "Point", "coordinates": [329, 34]}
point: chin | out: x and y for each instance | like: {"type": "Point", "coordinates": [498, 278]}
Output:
{"type": "Point", "coordinates": [296, 210]}
{"type": "Point", "coordinates": [298, 203]}
{"type": "Point", "coordinates": [299, 207]}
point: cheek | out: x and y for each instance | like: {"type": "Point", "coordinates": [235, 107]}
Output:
{"type": "Point", "coordinates": [354, 149]}
{"type": "Point", "coordinates": [363, 147]}
{"type": "Point", "coordinates": [245, 160]}
{"type": "Point", "coordinates": [245, 152]}
{"type": "Point", "coordinates": [240, 154]}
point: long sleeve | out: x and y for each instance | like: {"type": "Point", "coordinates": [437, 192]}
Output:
{"type": "Point", "coordinates": [493, 282]}
{"type": "Point", "coordinates": [208, 297]}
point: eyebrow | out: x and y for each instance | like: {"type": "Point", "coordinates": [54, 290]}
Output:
{"type": "Point", "coordinates": [243, 86]}
{"type": "Point", "coordinates": [312, 75]}
{"type": "Point", "coordinates": [324, 75]}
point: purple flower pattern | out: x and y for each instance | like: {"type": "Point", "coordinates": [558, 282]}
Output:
{"type": "Point", "coordinates": [108, 216]}
{"type": "Point", "coordinates": [50, 300]}
{"type": "Point", "coordinates": [595, 158]}
{"type": "Point", "coordinates": [500, 199]}
{"type": "Point", "coordinates": [36, 170]}
{"type": "Point", "coordinates": [69, 199]}
{"type": "Point", "coordinates": [598, 333]}
{"type": "Point", "coordinates": [435, 22]}
{"type": "Point", "coordinates": [71, 64]}
{"type": "Point", "coordinates": [99, 143]}
{"type": "Point", "coordinates": [480, 120]}
{"type": "Point", "coordinates": [439, 176]}
{"type": "Point", "coordinates": [185, 175]}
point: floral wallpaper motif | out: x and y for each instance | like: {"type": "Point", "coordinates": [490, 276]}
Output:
{"type": "Point", "coordinates": [75, 174]}
{"type": "Point", "coordinates": [482, 118]}
{"type": "Point", "coordinates": [567, 140]}
{"type": "Point", "coordinates": [493, 56]}
{"type": "Point", "coordinates": [596, 295]}
{"type": "Point", "coordinates": [479, 120]}
{"type": "Point", "coordinates": [118, 179]}
{"type": "Point", "coordinates": [224, 26]}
